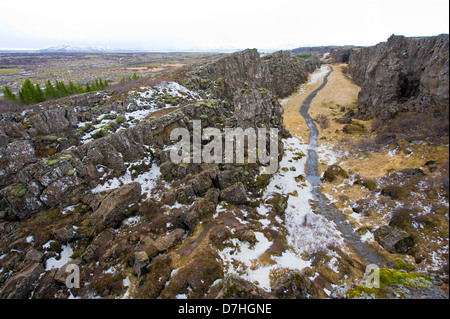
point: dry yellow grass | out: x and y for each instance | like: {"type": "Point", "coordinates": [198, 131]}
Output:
{"type": "Point", "coordinates": [333, 101]}
{"type": "Point", "coordinates": [293, 120]}
{"type": "Point", "coordinates": [342, 92]}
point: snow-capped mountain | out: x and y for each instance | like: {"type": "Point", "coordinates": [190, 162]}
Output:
{"type": "Point", "coordinates": [76, 49]}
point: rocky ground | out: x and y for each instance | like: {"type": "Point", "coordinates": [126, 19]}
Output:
{"type": "Point", "coordinates": [88, 181]}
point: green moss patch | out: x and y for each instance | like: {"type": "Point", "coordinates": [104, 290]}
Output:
{"type": "Point", "coordinates": [392, 278]}
{"type": "Point", "coordinates": [18, 190]}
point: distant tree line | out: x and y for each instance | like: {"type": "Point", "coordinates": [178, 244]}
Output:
{"type": "Point", "coordinates": [134, 77]}
{"type": "Point", "coordinates": [29, 93]}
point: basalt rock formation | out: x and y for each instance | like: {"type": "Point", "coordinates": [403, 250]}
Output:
{"type": "Point", "coordinates": [89, 181]}
{"type": "Point", "coordinates": [402, 74]}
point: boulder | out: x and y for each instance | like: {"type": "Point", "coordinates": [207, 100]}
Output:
{"type": "Point", "coordinates": [295, 285]}
{"type": "Point", "coordinates": [204, 267]}
{"type": "Point", "coordinates": [202, 208]}
{"type": "Point", "coordinates": [237, 288]}
{"type": "Point", "coordinates": [401, 218]}
{"type": "Point", "coordinates": [234, 194]}
{"type": "Point", "coordinates": [394, 192]}
{"type": "Point", "coordinates": [333, 172]}
{"type": "Point", "coordinates": [279, 203]}
{"type": "Point", "coordinates": [169, 197]}
{"type": "Point", "coordinates": [23, 199]}
{"type": "Point", "coordinates": [165, 242]}
{"type": "Point", "coordinates": [98, 246]}
{"type": "Point", "coordinates": [65, 234]}
{"type": "Point", "coordinates": [185, 194]}
{"type": "Point", "coordinates": [226, 179]}
{"type": "Point", "coordinates": [159, 271]}
{"type": "Point", "coordinates": [65, 190]}
{"type": "Point", "coordinates": [19, 154]}
{"type": "Point", "coordinates": [368, 183]}
{"type": "Point", "coordinates": [112, 210]}
{"type": "Point", "coordinates": [201, 184]}
{"type": "Point", "coordinates": [393, 240]}
{"type": "Point", "coordinates": [213, 195]}
{"type": "Point", "coordinates": [33, 256]}
{"type": "Point", "coordinates": [20, 285]}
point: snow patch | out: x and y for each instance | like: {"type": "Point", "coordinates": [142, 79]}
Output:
{"type": "Point", "coordinates": [65, 257]}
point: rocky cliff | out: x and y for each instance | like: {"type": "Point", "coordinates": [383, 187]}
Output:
{"type": "Point", "coordinates": [89, 182]}
{"type": "Point", "coordinates": [288, 71]}
{"type": "Point", "coordinates": [340, 54]}
{"type": "Point", "coordinates": [402, 74]}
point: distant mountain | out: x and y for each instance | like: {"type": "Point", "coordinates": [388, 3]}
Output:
{"type": "Point", "coordinates": [75, 49]}
{"type": "Point", "coordinates": [99, 49]}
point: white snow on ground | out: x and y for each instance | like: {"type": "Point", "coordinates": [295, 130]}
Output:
{"type": "Point", "coordinates": [65, 257]}
{"type": "Point", "coordinates": [126, 283]}
{"type": "Point", "coordinates": [147, 180]}
{"type": "Point", "coordinates": [243, 260]}
{"type": "Point", "coordinates": [318, 75]}
{"type": "Point", "coordinates": [177, 90]}
{"type": "Point", "coordinates": [144, 104]}
{"type": "Point", "coordinates": [173, 89]}
{"type": "Point", "coordinates": [307, 231]}
{"type": "Point", "coordinates": [327, 155]}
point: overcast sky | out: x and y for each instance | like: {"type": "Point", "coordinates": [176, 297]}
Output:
{"type": "Point", "coordinates": [208, 24]}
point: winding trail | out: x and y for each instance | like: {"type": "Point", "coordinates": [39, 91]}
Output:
{"type": "Point", "coordinates": [366, 253]}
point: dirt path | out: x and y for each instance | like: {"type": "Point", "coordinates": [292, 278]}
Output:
{"type": "Point", "coordinates": [308, 102]}
{"type": "Point", "coordinates": [293, 120]}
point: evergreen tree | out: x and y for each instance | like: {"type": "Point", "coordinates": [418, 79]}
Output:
{"type": "Point", "coordinates": [80, 88]}
{"type": "Point", "coordinates": [61, 88]}
{"type": "Point", "coordinates": [88, 88]}
{"type": "Point", "coordinates": [135, 77]}
{"type": "Point", "coordinates": [27, 93]}
{"type": "Point", "coordinates": [39, 95]}
{"type": "Point", "coordinates": [101, 84]}
{"type": "Point", "coordinates": [122, 80]}
{"type": "Point", "coordinates": [49, 91]}
{"type": "Point", "coordinates": [72, 88]}
{"type": "Point", "coordinates": [8, 95]}
{"type": "Point", "coordinates": [105, 83]}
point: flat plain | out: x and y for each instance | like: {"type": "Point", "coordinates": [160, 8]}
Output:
{"type": "Point", "coordinates": [81, 68]}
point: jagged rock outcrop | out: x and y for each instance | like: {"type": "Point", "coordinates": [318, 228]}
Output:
{"type": "Point", "coordinates": [339, 54]}
{"type": "Point", "coordinates": [394, 240]}
{"type": "Point", "coordinates": [402, 74]}
{"type": "Point", "coordinates": [225, 75]}
{"type": "Point", "coordinates": [75, 187]}
{"type": "Point", "coordinates": [113, 208]}
{"type": "Point", "coordinates": [288, 71]}
{"type": "Point", "coordinates": [296, 285]}
{"type": "Point", "coordinates": [246, 78]}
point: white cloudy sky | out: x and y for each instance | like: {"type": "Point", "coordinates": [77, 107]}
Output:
{"type": "Point", "coordinates": [207, 24]}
